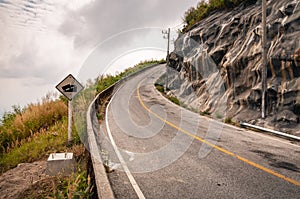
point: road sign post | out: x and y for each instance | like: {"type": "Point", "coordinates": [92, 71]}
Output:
{"type": "Point", "coordinates": [70, 109]}
{"type": "Point", "coordinates": [69, 87]}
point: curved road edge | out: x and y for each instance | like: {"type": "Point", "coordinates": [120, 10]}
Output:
{"type": "Point", "coordinates": [103, 186]}
{"type": "Point", "coordinates": [104, 189]}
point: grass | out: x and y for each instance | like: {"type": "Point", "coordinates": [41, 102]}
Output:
{"type": "Point", "coordinates": [34, 132]}
{"type": "Point", "coordinates": [203, 113]}
{"type": "Point", "coordinates": [229, 120]}
{"type": "Point", "coordinates": [160, 88]}
{"type": "Point", "coordinates": [218, 115]}
{"type": "Point", "coordinates": [19, 125]}
{"type": "Point", "coordinates": [39, 146]}
{"type": "Point", "coordinates": [105, 81]}
{"type": "Point", "coordinates": [36, 147]}
{"type": "Point", "coordinates": [174, 100]}
{"type": "Point", "coordinates": [77, 185]}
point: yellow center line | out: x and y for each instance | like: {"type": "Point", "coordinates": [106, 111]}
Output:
{"type": "Point", "coordinates": [274, 173]}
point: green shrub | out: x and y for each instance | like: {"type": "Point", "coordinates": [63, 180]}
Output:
{"type": "Point", "coordinates": [229, 121]}
{"type": "Point", "coordinates": [162, 61]}
{"type": "Point", "coordinates": [219, 116]}
{"type": "Point", "coordinates": [205, 113]}
{"type": "Point", "coordinates": [160, 88]}
{"type": "Point", "coordinates": [204, 9]}
{"type": "Point", "coordinates": [174, 100]}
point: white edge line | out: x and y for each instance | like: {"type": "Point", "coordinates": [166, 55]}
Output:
{"type": "Point", "coordinates": [126, 169]}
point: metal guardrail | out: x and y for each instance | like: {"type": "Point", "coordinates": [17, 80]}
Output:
{"type": "Point", "coordinates": [104, 189]}
{"type": "Point", "coordinates": [244, 124]}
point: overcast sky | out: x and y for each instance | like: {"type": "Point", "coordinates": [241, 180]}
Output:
{"type": "Point", "coordinates": [42, 41]}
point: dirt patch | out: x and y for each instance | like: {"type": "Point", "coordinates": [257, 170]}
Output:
{"type": "Point", "coordinates": [27, 180]}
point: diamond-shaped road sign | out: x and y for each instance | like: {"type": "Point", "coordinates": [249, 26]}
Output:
{"type": "Point", "coordinates": [69, 87]}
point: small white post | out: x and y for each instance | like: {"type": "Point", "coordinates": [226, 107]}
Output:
{"type": "Point", "coordinates": [69, 122]}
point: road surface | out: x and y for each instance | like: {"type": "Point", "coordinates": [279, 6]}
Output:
{"type": "Point", "coordinates": [165, 151]}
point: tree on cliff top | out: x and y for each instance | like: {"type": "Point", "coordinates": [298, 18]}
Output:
{"type": "Point", "coordinates": [204, 9]}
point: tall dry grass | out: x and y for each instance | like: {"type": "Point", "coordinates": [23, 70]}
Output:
{"type": "Point", "coordinates": [35, 118]}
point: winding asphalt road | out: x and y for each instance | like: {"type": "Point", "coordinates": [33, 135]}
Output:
{"type": "Point", "coordinates": [165, 151]}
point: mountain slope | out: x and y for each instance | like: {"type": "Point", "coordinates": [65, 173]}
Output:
{"type": "Point", "coordinates": [218, 64]}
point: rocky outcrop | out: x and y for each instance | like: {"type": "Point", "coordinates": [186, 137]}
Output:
{"type": "Point", "coordinates": [218, 64]}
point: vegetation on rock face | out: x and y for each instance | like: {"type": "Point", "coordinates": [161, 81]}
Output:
{"type": "Point", "coordinates": [160, 88]}
{"type": "Point", "coordinates": [204, 9]}
{"type": "Point", "coordinates": [174, 100]}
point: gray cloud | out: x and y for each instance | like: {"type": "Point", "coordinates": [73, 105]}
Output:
{"type": "Point", "coordinates": [27, 58]}
{"type": "Point", "coordinates": [26, 13]}
{"type": "Point", "coordinates": [100, 19]}
{"type": "Point", "coordinates": [43, 40]}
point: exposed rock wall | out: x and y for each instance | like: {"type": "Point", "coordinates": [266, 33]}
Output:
{"type": "Point", "coordinates": [219, 64]}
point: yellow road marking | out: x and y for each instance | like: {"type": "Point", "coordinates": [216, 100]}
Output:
{"type": "Point", "coordinates": [274, 173]}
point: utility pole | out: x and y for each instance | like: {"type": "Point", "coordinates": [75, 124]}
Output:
{"type": "Point", "coordinates": [264, 62]}
{"type": "Point", "coordinates": [168, 53]}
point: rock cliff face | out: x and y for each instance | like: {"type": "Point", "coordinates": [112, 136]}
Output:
{"type": "Point", "coordinates": [217, 65]}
